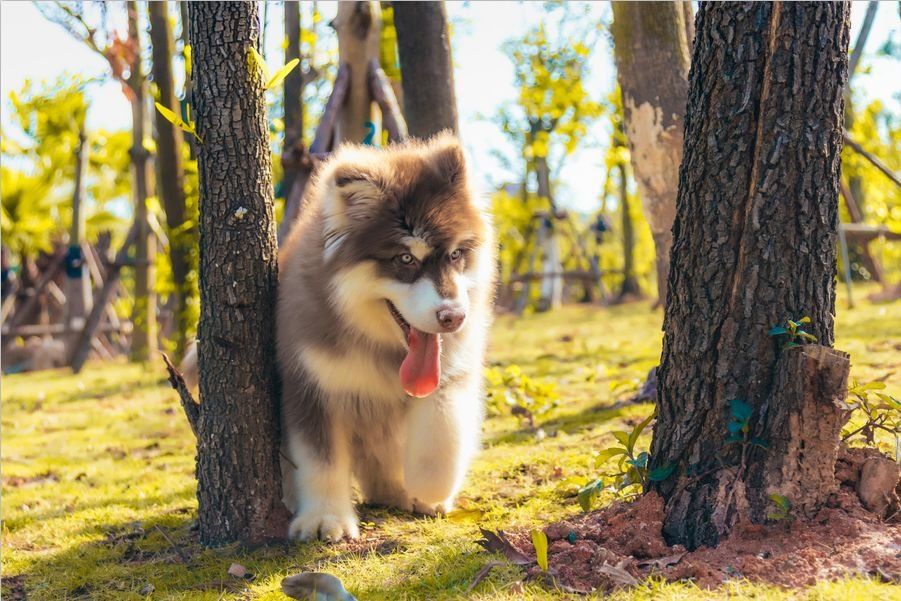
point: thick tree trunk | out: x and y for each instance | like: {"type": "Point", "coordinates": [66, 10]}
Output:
{"type": "Point", "coordinates": [358, 24]}
{"type": "Point", "coordinates": [427, 73]}
{"type": "Point", "coordinates": [652, 60]}
{"type": "Point", "coordinates": [170, 172]}
{"type": "Point", "coordinates": [143, 340]}
{"type": "Point", "coordinates": [238, 474]}
{"type": "Point", "coordinates": [630, 289]}
{"type": "Point", "coordinates": [754, 246]}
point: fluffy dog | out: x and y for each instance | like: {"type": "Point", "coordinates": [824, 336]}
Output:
{"type": "Point", "coordinates": [383, 309]}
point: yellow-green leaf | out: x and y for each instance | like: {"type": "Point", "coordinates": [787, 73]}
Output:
{"type": "Point", "coordinates": [169, 116]}
{"type": "Point", "coordinates": [257, 60]}
{"type": "Point", "coordinates": [187, 53]}
{"type": "Point", "coordinates": [539, 539]}
{"type": "Point", "coordinates": [282, 73]}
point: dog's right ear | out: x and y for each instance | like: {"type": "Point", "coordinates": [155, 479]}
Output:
{"type": "Point", "coordinates": [358, 188]}
{"type": "Point", "coordinates": [353, 192]}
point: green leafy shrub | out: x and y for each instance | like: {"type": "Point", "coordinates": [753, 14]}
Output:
{"type": "Point", "coordinates": [879, 411]}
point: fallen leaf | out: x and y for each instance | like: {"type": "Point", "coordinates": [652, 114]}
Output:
{"type": "Point", "coordinates": [318, 586]}
{"type": "Point", "coordinates": [662, 562]}
{"type": "Point", "coordinates": [617, 574]}
{"type": "Point", "coordinates": [539, 539]}
{"type": "Point", "coordinates": [465, 515]}
{"type": "Point", "coordinates": [480, 575]}
{"type": "Point", "coordinates": [499, 543]}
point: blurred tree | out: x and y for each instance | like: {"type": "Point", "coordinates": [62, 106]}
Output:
{"type": "Point", "coordinates": [238, 473]}
{"type": "Point", "coordinates": [170, 176]}
{"type": "Point", "coordinates": [427, 75]}
{"type": "Point", "coordinates": [358, 24]}
{"type": "Point", "coordinates": [554, 107]}
{"type": "Point", "coordinates": [89, 22]}
{"type": "Point", "coordinates": [754, 246]}
{"type": "Point", "coordinates": [652, 59]}
{"type": "Point", "coordinates": [293, 109]}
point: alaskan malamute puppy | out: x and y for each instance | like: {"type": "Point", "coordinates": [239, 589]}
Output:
{"type": "Point", "coordinates": [383, 310]}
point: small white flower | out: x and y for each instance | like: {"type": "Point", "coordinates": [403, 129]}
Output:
{"type": "Point", "coordinates": [240, 212]}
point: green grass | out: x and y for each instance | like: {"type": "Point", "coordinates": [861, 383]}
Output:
{"type": "Point", "coordinates": [95, 464]}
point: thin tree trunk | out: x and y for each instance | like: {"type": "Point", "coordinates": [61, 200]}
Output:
{"type": "Point", "coordinates": [78, 283]}
{"type": "Point", "coordinates": [630, 289]}
{"type": "Point", "coordinates": [652, 60]}
{"type": "Point", "coordinates": [358, 24]}
{"type": "Point", "coordinates": [238, 474]}
{"type": "Point", "coordinates": [170, 172]}
{"type": "Point", "coordinates": [552, 283]}
{"type": "Point", "coordinates": [189, 86]}
{"type": "Point", "coordinates": [143, 341]}
{"type": "Point", "coordinates": [293, 110]}
{"type": "Point", "coordinates": [427, 73]}
{"type": "Point", "coordinates": [754, 246]}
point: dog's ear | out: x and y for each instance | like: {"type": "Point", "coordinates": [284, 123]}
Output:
{"type": "Point", "coordinates": [448, 158]}
{"type": "Point", "coordinates": [358, 185]}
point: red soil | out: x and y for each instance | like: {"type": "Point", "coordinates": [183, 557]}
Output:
{"type": "Point", "coordinates": [843, 539]}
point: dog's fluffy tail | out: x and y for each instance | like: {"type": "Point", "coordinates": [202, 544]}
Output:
{"type": "Point", "coordinates": [190, 370]}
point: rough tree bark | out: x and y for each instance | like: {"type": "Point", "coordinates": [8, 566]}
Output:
{"type": "Point", "coordinates": [652, 60]}
{"type": "Point", "coordinates": [754, 245]}
{"type": "Point", "coordinates": [170, 172]}
{"type": "Point", "coordinates": [427, 73]}
{"type": "Point", "coordinates": [143, 341]}
{"type": "Point", "coordinates": [358, 25]}
{"type": "Point", "coordinates": [239, 482]}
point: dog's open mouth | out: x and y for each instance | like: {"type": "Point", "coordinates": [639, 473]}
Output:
{"type": "Point", "coordinates": [421, 369]}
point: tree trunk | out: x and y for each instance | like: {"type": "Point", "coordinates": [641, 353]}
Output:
{"type": "Point", "coordinates": [551, 265]}
{"type": "Point", "coordinates": [652, 60]}
{"type": "Point", "coordinates": [293, 109]}
{"type": "Point", "coordinates": [189, 86]}
{"type": "Point", "coordinates": [143, 340]}
{"type": "Point", "coordinates": [238, 474]}
{"type": "Point", "coordinates": [754, 246]}
{"type": "Point", "coordinates": [170, 173]}
{"type": "Point", "coordinates": [358, 24]}
{"type": "Point", "coordinates": [630, 289]}
{"type": "Point", "coordinates": [78, 284]}
{"type": "Point", "coordinates": [427, 73]}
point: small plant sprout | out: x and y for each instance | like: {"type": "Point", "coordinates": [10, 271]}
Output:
{"type": "Point", "coordinates": [186, 126]}
{"type": "Point", "coordinates": [783, 508]}
{"type": "Point", "coordinates": [879, 411]}
{"type": "Point", "coordinates": [632, 468]}
{"type": "Point", "coordinates": [539, 540]}
{"type": "Point", "coordinates": [739, 427]}
{"type": "Point", "coordinates": [793, 332]}
{"type": "Point", "coordinates": [271, 81]}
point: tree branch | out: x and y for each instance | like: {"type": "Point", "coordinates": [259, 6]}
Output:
{"type": "Point", "coordinates": [177, 381]}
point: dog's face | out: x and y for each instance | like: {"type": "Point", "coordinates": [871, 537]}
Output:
{"type": "Point", "coordinates": [406, 244]}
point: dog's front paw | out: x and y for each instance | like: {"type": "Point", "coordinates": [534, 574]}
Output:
{"type": "Point", "coordinates": [330, 526]}
{"type": "Point", "coordinates": [432, 509]}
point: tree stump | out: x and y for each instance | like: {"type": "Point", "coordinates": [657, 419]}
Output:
{"type": "Point", "coordinates": [803, 420]}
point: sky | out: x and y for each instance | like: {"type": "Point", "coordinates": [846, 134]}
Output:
{"type": "Point", "coordinates": [31, 47]}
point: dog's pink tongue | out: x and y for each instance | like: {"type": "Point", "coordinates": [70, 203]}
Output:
{"type": "Point", "coordinates": [421, 369]}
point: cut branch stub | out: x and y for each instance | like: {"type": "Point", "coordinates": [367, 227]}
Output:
{"type": "Point", "coordinates": [803, 420]}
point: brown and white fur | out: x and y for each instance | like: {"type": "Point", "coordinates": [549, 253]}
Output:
{"type": "Point", "coordinates": [401, 226]}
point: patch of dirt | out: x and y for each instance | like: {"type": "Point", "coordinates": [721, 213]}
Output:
{"type": "Point", "coordinates": [601, 550]}
{"type": "Point", "coordinates": [13, 588]}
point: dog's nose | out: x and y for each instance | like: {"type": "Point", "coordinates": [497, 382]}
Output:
{"type": "Point", "coordinates": [451, 318]}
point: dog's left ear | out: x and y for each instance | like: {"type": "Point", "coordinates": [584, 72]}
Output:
{"type": "Point", "coordinates": [448, 158]}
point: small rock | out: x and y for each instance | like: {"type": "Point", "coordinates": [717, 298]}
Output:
{"type": "Point", "coordinates": [147, 589]}
{"type": "Point", "coordinates": [878, 479]}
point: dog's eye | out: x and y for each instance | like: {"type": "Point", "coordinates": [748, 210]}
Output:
{"type": "Point", "coordinates": [406, 259]}
{"type": "Point", "coordinates": [456, 255]}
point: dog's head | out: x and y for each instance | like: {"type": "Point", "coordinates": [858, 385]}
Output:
{"type": "Point", "coordinates": [406, 244]}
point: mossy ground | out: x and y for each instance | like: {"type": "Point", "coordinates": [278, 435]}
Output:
{"type": "Point", "coordinates": [95, 466]}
